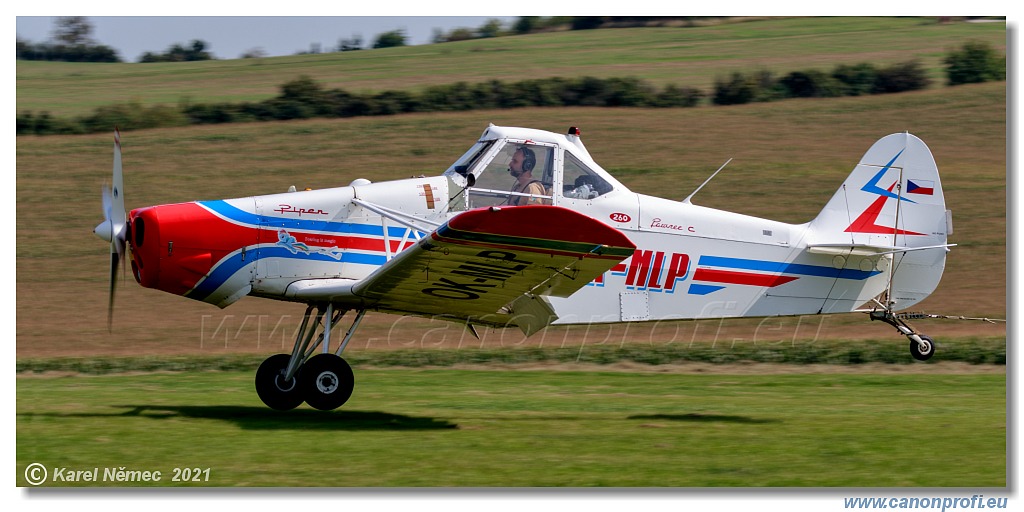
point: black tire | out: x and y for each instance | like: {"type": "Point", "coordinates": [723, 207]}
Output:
{"type": "Point", "coordinates": [922, 353]}
{"type": "Point", "coordinates": [276, 392]}
{"type": "Point", "coordinates": [326, 381]}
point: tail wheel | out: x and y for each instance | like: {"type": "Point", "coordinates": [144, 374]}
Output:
{"type": "Point", "coordinates": [923, 350]}
{"type": "Point", "coordinates": [326, 381]}
{"type": "Point", "coordinates": [272, 387]}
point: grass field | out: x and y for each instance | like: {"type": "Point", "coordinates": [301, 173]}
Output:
{"type": "Point", "coordinates": [692, 57]}
{"type": "Point", "coordinates": [797, 152]}
{"type": "Point", "coordinates": [412, 428]}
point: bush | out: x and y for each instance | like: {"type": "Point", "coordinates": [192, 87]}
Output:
{"type": "Point", "coordinates": [811, 84]}
{"type": "Point", "coordinates": [674, 96]}
{"type": "Point", "coordinates": [66, 53]}
{"type": "Point", "coordinates": [394, 102]}
{"type": "Point", "coordinates": [905, 76]}
{"type": "Point", "coordinates": [586, 22]}
{"type": "Point", "coordinates": [587, 91]}
{"type": "Point", "coordinates": [346, 104]}
{"type": "Point", "coordinates": [525, 24]}
{"type": "Point", "coordinates": [132, 116]}
{"type": "Point", "coordinates": [390, 39]}
{"type": "Point", "coordinates": [212, 113]}
{"type": "Point", "coordinates": [538, 93]}
{"type": "Point", "coordinates": [628, 92]}
{"type": "Point", "coordinates": [29, 123]}
{"type": "Point", "coordinates": [857, 79]}
{"type": "Point", "coordinates": [974, 62]}
{"type": "Point", "coordinates": [196, 51]}
{"type": "Point", "coordinates": [740, 88]}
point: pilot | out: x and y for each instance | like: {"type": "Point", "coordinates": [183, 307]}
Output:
{"type": "Point", "coordinates": [521, 168]}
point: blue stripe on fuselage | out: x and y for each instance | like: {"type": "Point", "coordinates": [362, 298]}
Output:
{"type": "Point", "coordinates": [228, 211]}
{"type": "Point", "coordinates": [786, 268]}
{"type": "Point", "coordinates": [231, 264]}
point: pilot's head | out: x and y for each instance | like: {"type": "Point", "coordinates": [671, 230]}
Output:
{"type": "Point", "coordinates": [523, 161]}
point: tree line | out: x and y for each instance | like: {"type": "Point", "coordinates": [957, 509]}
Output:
{"type": "Point", "coordinates": [72, 40]}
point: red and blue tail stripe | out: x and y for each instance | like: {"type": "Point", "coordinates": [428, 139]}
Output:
{"type": "Point", "coordinates": [750, 272]}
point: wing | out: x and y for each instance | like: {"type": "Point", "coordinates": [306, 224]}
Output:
{"type": "Point", "coordinates": [488, 266]}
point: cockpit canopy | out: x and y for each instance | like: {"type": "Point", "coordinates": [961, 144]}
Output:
{"type": "Point", "coordinates": [510, 166]}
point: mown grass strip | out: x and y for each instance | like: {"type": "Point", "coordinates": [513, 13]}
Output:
{"type": "Point", "coordinates": [967, 350]}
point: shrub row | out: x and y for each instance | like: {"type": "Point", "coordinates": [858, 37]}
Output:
{"type": "Point", "coordinates": [303, 98]}
{"type": "Point", "coordinates": [844, 80]}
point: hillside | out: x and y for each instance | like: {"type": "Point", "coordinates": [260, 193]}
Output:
{"type": "Point", "coordinates": [692, 56]}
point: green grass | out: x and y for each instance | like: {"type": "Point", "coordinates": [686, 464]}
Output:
{"type": "Point", "coordinates": [684, 56]}
{"type": "Point", "coordinates": [410, 428]}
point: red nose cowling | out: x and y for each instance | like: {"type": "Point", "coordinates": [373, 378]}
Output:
{"type": "Point", "coordinates": [174, 246]}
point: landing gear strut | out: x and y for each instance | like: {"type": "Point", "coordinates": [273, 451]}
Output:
{"type": "Point", "coordinates": [922, 347]}
{"type": "Point", "coordinates": [323, 381]}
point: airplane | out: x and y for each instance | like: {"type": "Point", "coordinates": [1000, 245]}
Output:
{"type": "Point", "coordinates": [526, 230]}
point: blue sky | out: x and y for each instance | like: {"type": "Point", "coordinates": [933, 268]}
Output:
{"type": "Point", "coordinates": [230, 36]}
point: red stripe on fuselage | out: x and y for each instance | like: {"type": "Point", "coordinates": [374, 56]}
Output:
{"type": "Point", "coordinates": [731, 277]}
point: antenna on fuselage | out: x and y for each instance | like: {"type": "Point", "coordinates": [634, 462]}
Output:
{"type": "Point", "coordinates": [687, 200]}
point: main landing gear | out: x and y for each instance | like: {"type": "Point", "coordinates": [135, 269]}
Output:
{"type": "Point", "coordinates": [324, 381]}
{"type": "Point", "coordinates": [922, 347]}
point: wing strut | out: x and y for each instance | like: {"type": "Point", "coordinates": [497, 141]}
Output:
{"type": "Point", "coordinates": [402, 218]}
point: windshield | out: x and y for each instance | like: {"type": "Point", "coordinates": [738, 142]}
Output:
{"type": "Point", "coordinates": [466, 162]}
{"type": "Point", "coordinates": [518, 174]}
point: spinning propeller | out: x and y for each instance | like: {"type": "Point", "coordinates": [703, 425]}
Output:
{"type": "Point", "coordinates": [114, 227]}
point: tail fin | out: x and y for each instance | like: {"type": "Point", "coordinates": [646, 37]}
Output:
{"type": "Point", "coordinates": [891, 206]}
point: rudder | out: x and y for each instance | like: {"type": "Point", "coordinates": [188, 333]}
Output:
{"type": "Point", "coordinates": [891, 205]}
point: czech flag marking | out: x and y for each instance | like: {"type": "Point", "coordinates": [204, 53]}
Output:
{"type": "Point", "coordinates": [923, 187]}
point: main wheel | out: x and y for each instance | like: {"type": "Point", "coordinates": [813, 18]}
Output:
{"type": "Point", "coordinates": [273, 389]}
{"type": "Point", "coordinates": [922, 351]}
{"type": "Point", "coordinates": [326, 381]}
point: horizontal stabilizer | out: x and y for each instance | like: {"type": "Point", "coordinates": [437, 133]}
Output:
{"type": "Point", "coordinates": [867, 250]}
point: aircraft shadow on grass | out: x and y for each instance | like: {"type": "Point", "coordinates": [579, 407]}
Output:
{"type": "Point", "coordinates": [704, 418]}
{"type": "Point", "coordinates": [259, 418]}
